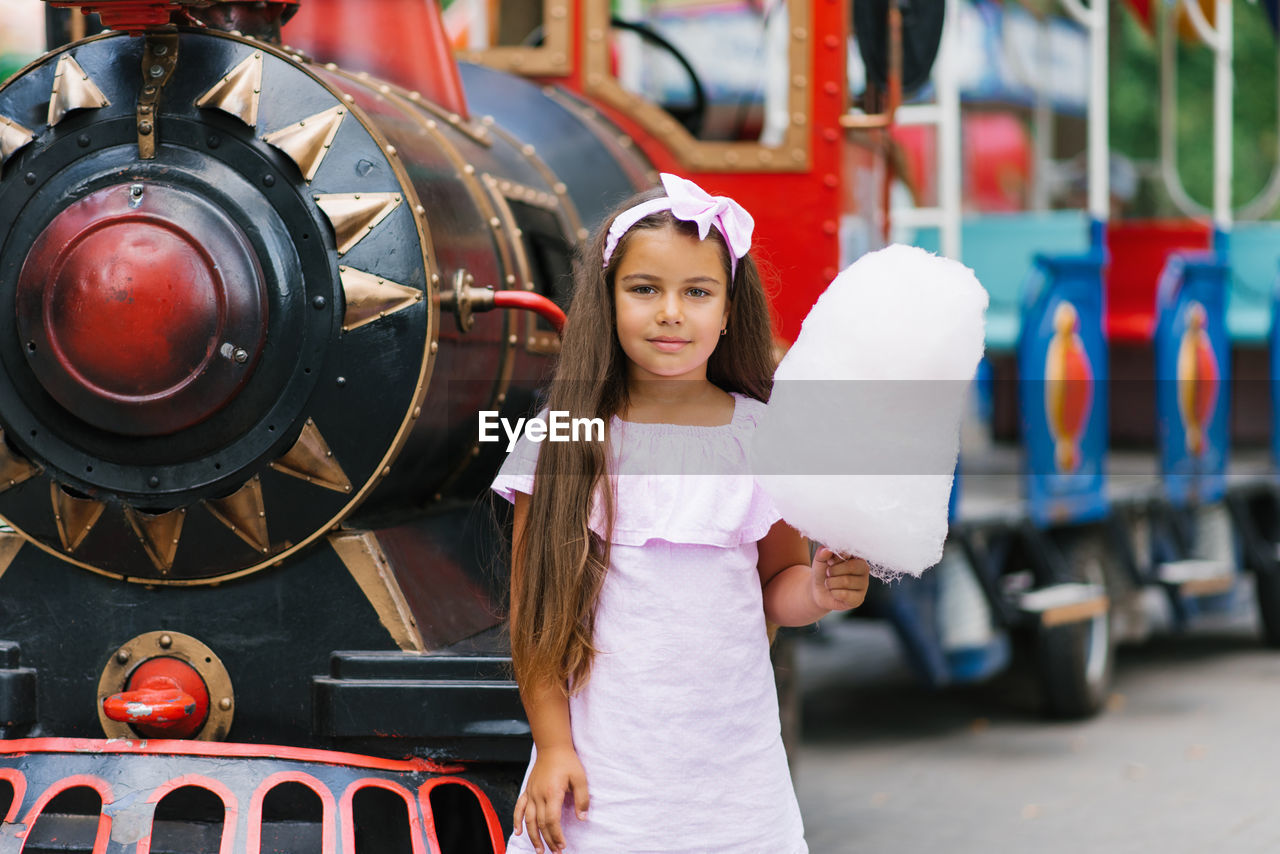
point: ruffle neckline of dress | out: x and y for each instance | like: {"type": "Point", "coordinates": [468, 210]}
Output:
{"type": "Point", "coordinates": [687, 484]}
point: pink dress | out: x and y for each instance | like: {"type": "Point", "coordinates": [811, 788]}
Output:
{"type": "Point", "coordinates": [678, 727]}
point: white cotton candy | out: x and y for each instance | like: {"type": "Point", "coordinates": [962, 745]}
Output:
{"type": "Point", "coordinates": [859, 443]}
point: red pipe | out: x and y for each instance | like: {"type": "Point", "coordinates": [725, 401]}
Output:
{"type": "Point", "coordinates": [531, 302]}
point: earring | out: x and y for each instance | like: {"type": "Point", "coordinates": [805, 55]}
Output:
{"type": "Point", "coordinates": [724, 331]}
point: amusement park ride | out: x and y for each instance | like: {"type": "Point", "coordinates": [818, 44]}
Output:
{"type": "Point", "coordinates": [258, 282]}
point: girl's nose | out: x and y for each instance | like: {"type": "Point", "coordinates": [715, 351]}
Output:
{"type": "Point", "coordinates": [669, 309]}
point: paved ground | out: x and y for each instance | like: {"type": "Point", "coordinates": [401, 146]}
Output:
{"type": "Point", "coordinates": [1185, 759]}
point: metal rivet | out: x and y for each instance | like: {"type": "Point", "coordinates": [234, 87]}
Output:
{"type": "Point", "coordinates": [341, 381]}
{"type": "Point", "coordinates": [160, 49]}
{"type": "Point", "coordinates": [157, 71]}
{"type": "Point", "coordinates": [319, 303]}
{"type": "Point", "coordinates": [214, 140]}
{"type": "Point", "coordinates": [144, 128]}
{"type": "Point", "coordinates": [30, 177]}
{"type": "Point", "coordinates": [241, 356]}
{"type": "Point", "coordinates": [166, 641]}
{"type": "Point", "coordinates": [225, 704]}
{"type": "Point", "coordinates": [122, 656]}
{"type": "Point", "coordinates": [434, 346]}
{"type": "Point", "coordinates": [269, 180]}
{"type": "Point", "coordinates": [153, 481]}
{"type": "Point", "coordinates": [83, 140]}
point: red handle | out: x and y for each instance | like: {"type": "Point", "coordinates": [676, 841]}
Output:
{"type": "Point", "coordinates": [150, 706]}
{"type": "Point", "coordinates": [531, 302]}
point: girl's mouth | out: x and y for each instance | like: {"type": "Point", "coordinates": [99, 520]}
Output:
{"type": "Point", "coordinates": [668, 345]}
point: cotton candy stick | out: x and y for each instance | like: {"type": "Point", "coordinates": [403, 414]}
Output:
{"type": "Point", "coordinates": [858, 445]}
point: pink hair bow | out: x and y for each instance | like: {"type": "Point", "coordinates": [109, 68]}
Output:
{"type": "Point", "coordinates": [689, 202]}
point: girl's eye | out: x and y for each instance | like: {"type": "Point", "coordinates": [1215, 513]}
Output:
{"type": "Point", "coordinates": [699, 292]}
{"type": "Point", "coordinates": [643, 289]}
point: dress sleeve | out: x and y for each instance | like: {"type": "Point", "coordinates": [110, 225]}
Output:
{"type": "Point", "coordinates": [516, 474]}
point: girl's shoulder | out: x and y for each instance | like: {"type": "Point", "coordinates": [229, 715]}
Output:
{"type": "Point", "coordinates": [747, 411]}
{"type": "Point", "coordinates": [516, 474]}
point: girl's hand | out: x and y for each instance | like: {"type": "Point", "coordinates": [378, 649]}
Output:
{"type": "Point", "coordinates": [556, 771]}
{"type": "Point", "coordinates": [839, 583]}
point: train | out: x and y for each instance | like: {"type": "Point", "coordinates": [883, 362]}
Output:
{"type": "Point", "coordinates": [264, 263]}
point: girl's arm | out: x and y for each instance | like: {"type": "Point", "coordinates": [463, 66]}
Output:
{"type": "Point", "coordinates": [557, 769]}
{"type": "Point", "coordinates": [798, 591]}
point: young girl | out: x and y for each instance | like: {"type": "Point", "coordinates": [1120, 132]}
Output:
{"type": "Point", "coordinates": [644, 567]}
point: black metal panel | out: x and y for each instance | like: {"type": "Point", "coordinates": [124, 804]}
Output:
{"type": "Point", "coordinates": [595, 179]}
{"type": "Point", "coordinates": [17, 690]}
{"type": "Point", "coordinates": [448, 707]}
{"type": "Point", "coordinates": [273, 630]}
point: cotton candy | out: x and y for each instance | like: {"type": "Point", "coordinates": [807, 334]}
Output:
{"type": "Point", "coordinates": [859, 443]}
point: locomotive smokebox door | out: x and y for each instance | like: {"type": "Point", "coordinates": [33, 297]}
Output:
{"type": "Point", "coordinates": [223, 300]}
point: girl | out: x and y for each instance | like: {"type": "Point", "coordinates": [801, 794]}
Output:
{"type": "Point", "coordinates": [644, 567]}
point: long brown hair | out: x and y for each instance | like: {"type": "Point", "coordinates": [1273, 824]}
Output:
{"type": "Point", "coordinates": [560, 563]}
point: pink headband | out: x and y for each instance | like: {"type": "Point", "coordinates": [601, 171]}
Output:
{"type": "Point", "coordinates": [689, 202]}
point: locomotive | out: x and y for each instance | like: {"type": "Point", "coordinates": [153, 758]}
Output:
{"type": "Point", "coordinates": [250, 321]}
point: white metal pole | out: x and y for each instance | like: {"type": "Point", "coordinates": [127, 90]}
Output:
{"type": "Point", "coordinates": [1098, 157]}
{"type": "Point", "coordinates": [949, 134]}
{"type": "Point", "coordinates": [1096, 20]}
{"type": "Point", "coordinates": [1222, 97]}
{"type": "Point", "coordinates": [1042, 118]}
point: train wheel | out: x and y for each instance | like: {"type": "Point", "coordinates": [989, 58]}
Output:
{"type": "Point", "coordinates": [1075, 660]}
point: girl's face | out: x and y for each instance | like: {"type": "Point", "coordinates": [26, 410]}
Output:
{"type": "Point", "coordinates": [672, 301]}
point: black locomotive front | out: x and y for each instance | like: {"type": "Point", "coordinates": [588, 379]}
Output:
{"type": "Point", "coordinates": [242, 353]}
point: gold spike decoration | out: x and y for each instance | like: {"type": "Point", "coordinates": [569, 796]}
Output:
{"type": "Point", "coordinates": [244, 513]}
{"type": "Point", "coordinates": [239, 92]}
{"type": "Point", "coordinates": [13, 468]}
{"type": "Point", "coordinates": [10, 542]}
{"type": "Point", "coordinates": [159, 533]}
{"type": "Point", "coordinates": [311, 460]}
{"type": "Point", "coordinates": [75, 516]}
{"type": "Point", "coordinates": [307, 142]}
{"type": "Point", "coordinates": [72, 90]}
{"type": "Point", "coordinates": [370, 297]}
{"type": "Point", "coordinates": [12, 137]}
{"type": "Point", "coordinates": [354, 215]}
{"type": "Point", "coordinates": [362, 555]}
